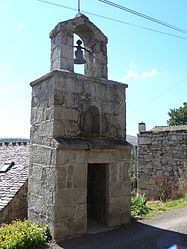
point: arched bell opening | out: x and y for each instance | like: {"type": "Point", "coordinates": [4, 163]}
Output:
{"type": "Point", "coordinates": [79, 55]}
{"type": "Point", "coordinates": [86, 35]}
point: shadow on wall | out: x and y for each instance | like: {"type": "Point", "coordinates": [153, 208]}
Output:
{"type": "Point", "coordinates": [137, 235]}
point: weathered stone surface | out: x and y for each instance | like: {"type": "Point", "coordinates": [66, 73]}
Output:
{"type": "Point", "coordinates": [94, 41]}
{"type": "Point", "coordinates": [67, 106]}
{"type": "Point", "coordinates": [162, 150]}
{"type": "Point", "coordinates": [98, 156]}
{"type": "Point", "coordinates": [119, 210]}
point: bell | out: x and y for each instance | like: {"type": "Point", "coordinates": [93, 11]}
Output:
{"type": "Point", "coordinates": [79, 58]}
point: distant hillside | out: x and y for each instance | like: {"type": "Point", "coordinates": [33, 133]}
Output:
{"type": "Point", "coordinates": [13, 140]}
{"type": "Point", "coordinates": [131, 139]}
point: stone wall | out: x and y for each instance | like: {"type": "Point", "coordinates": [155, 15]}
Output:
{"type": "Point", "coordinates": [71, 188]}
{"type": "Point", "coordinates": [72, 100]}
{"type": "Point", "coordinates": [41, 184]}
{"type": "Point", "coordinates": [162, 150]}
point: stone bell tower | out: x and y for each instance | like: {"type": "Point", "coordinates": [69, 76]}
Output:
{"type": "Point", "coordinates": [79, 158]}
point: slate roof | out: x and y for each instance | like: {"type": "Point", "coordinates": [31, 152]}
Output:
{"type": "Point", "coordinates": [17, 175]}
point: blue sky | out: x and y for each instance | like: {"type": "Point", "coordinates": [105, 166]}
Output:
{"type": "Point", "coordinates": [153, 65]}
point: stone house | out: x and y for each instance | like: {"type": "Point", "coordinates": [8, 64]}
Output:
{"type": "Point", "coordinates": [79, 171]}
{"type": "Point", "coordinates": [160, 151]}
{"type": "Point", "coordinates": [14, 162]}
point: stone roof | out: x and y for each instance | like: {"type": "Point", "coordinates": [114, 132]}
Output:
{"type": "Point", "coordinates": [86, 143]}
{"type": "Point", "coordinates": [73, 24]}
{"type": "Point", "coordinates": [169, 128]}
{"type": "Point", "coordinates": [17, 175]}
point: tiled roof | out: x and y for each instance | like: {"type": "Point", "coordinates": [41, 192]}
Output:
{"type": "Point", "coordinates": [169, 128]}
{"type": "Point", "coordinates": [16, 176]}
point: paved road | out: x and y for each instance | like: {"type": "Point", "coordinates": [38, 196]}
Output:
{"type": "Point", "coordinates": [157, 233]}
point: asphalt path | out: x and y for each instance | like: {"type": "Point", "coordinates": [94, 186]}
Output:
{"type": "Point", "coordinates": [160, 232]}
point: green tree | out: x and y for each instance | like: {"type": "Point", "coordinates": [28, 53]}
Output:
{"type": "Point", "coordinates": [178, 116]}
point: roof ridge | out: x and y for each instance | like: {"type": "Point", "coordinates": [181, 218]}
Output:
{"type": "Point", "coordinates": [169, 128]}
{"type": "Point", "coordinates": [170, 125]}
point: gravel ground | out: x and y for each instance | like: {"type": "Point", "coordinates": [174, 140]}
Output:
{"type": "Point", "coordinates": [159, 232]}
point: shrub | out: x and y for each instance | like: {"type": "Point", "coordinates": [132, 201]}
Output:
{"type": "Point", "coordinates": [180, 191]}
{"type": "Point", "coordinates": [138, 205]}
{"type": "Point", "coordinates": [183, 185]}
{"type": "Point", "coordinates": [23, 235]}
{"type": "Point", "coordinates": [164, 186]}
{"type": "Point", "coordinates": [168, 189]}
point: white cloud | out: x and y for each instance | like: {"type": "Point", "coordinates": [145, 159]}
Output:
{"type": "Point", "coordinates": [131, 64]}
{"type": "Point", "coordinates": [150, 74]}
{"type": "Point", "coordinates": [21, 27]}
{"type": "Point", "coordinates": [138, 75]}
{"type": "Point", "coordinates": [130, 74]}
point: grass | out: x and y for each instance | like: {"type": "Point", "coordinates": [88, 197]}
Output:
{"type": "Point", "coordinates": [156, 207]}
{"type": "Point", "coordinates": [141, 208]}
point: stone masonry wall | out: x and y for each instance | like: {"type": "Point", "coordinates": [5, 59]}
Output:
{"type": "Point", "coordinates": [41, 184]}
{"type": "Point", "coordinates": [71, 188]}
{"type": "Point", "coordinates": [163, 150]}
{"type": "Point", "coordinates": [66, 97]}
{"type": "Point", "coordinates": [42, 166]}
{"type": "Point", "coordinates": [76, 93]}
